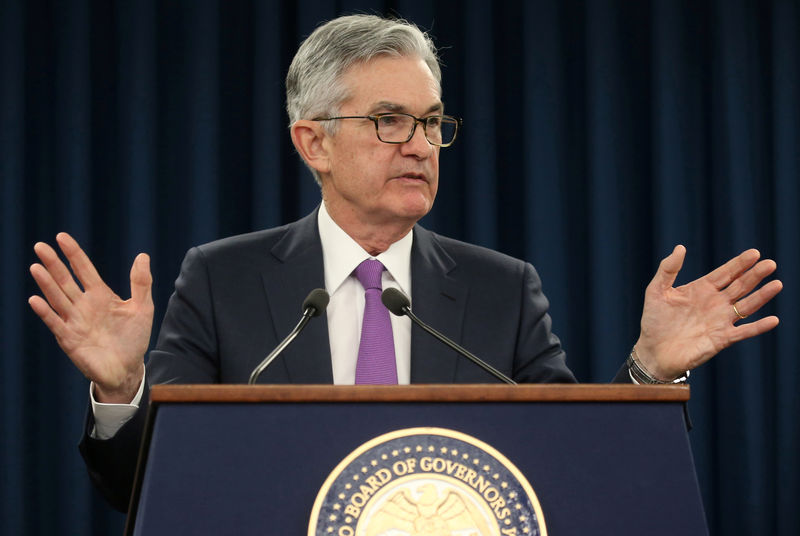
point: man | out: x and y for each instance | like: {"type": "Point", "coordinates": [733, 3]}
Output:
{"type": "Point", "coordinates": [364, 101]}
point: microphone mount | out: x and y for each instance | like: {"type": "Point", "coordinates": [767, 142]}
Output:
{"type": "Point", "coordinates": [399, 304]}
{"type": "Point", "coordinates": [314, 305]}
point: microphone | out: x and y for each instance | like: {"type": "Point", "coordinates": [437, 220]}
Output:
{"type": "Point", "coordinates": [399, 304]}
{"type": "Point", "coordinates": [314, 305]}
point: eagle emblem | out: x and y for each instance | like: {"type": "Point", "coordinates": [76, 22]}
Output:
{"type": "Point", "coordinates": [429, 514]}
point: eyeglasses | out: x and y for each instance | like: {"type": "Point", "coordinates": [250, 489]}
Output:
{"type": "Point", "coordinates": [440, 130]}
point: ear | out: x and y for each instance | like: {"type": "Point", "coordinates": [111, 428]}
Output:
{"type": "Point", "coordinates": [308, 137]}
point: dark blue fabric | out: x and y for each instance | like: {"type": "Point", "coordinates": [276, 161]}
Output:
{"type": "Point", "coordinates": [596, 136]}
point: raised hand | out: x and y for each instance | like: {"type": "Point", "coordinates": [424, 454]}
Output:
{"type": "Point", "coordinates": [104, 336]}
{"type": "Point", "coordinates": [684, 327]}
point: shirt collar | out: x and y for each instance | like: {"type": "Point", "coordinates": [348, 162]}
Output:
{"type": "Point", "coordinates": [341, 254]}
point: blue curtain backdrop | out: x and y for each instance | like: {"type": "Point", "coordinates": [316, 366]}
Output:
{"type": "Point", "coordinates": [598, 134]}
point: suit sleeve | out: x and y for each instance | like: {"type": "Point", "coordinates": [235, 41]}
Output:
{"type": "Point", "coordinates": [111, 463]}
{"type": "Point", "coordinates": [539, 355]}
{"type": "Point", "coordinates": [187, 348]}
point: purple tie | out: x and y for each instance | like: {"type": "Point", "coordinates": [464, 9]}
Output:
{"type": "Point", "coordinates": [376, 362]}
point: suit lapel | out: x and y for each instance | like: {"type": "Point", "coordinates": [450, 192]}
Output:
{"type": "Point", "coordinates": [439, 300]}
{"type": "Point", "coordinates": [287, 283]}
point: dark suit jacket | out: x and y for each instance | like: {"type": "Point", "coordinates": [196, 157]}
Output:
{"type": "Point", "coordinates": [236, 299]}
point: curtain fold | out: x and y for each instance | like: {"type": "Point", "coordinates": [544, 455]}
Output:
{"type": "Point", "coordinates": [597, 136]}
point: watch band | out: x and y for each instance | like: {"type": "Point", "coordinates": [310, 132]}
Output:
{"type": "Point", "coordinates": [641, 375]}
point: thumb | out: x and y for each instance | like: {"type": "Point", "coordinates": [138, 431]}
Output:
{"type": "Point", "coordinates": [141, 279]}
{"type": "Point", "coordinates": [669, 268]}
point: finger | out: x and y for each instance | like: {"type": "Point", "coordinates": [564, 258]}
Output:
{"type": "Point", "coordinates": [753, 329]}
{"type": "Point", "coordinates": [669, 268]}
{"type": "Point", "coordinates": [725, 274]}
{"type": "Point", "coordinates": [141, 280]}
{"type": "Point", "coordinates": [52, 291]}
{"type": "Point", "coordinates": [755, 301]}
{"type": "Point", "coordinates": [58, 270]}
{"type": "Point", "coordinates": [745, 283]}
{"type": "Point", "coordinates": [81, 265]}
{"type": "Point", "coordinates": [53, 322]}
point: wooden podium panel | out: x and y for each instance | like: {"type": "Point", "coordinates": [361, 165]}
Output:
{"type": "Point", "coordinates": [602, 459]}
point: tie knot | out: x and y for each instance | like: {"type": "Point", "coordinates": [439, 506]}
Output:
{"type": "Point", "coordinates": [369, 274]}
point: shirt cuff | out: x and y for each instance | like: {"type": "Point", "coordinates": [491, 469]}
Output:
{"type": "Point", "coordinates": [109, 418]}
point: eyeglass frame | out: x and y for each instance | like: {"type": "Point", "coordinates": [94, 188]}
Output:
{"type": "Point", "coordinates": [424, 120]}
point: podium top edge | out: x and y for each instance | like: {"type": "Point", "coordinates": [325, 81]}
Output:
{"type": "Point", "coordinates": [225, 393]}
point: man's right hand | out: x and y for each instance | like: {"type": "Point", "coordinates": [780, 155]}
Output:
{"type": "Point", "coordinates": [104, 336]}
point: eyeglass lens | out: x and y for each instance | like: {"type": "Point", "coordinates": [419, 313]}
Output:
{"type": "Point", "coordinates": [397, 128]}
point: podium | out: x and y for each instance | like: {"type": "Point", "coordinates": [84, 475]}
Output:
{"type": "Point", "coordinates": [601, 459]}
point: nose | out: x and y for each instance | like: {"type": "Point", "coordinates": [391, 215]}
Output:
{"type": "Point", "coordinates": [418, 145]}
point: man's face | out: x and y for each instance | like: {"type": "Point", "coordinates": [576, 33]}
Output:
{"type": "Point", "coordinates": [376, 183]}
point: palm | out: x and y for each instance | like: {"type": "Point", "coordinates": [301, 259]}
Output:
{"type": "Point", "coordinates": [684, 327]}
{"type": "Point", "coordinates": [105, 334]}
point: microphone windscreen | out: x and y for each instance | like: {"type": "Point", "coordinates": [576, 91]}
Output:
{"type": "Point", "coordinates": [317, 300]}
{"type": "Point", "coordinates": [395, 301]}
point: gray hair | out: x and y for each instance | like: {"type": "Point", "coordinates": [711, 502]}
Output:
{"type": "Point", "coordinates": [314, 85]}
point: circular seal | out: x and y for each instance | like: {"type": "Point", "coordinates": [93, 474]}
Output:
{"type": "Point", "coordinates": [426, 482]}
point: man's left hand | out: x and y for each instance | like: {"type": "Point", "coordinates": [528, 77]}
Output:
{"type": "Point", "coordinates": [683, 327]}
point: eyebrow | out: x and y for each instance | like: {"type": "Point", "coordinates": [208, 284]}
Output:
{"type": "Point", "coordinates": [399, 108]}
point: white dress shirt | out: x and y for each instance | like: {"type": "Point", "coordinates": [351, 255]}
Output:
{"type": "Point", "coordinates": [340, 254]}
